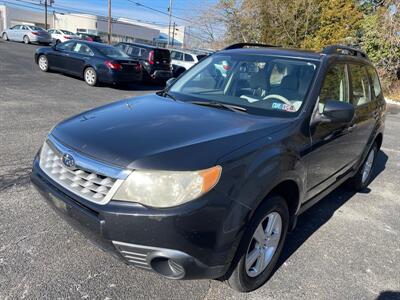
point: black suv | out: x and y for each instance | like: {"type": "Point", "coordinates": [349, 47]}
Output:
{"type": "Point", "coordinates": [156, 62]}
{"type": "Point", "coordinates": [205, 178]}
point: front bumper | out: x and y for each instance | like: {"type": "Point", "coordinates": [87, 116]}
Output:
{"type": "Point", "coordinates": [185, 243]}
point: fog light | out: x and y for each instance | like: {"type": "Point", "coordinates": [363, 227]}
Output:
{"type": "Point", "coordinates": [168, 267]}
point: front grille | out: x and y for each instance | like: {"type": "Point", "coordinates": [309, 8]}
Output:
{"type": "Point", "coordinates": [86, 184]}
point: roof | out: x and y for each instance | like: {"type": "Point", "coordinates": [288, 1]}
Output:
{"type": "Point", "coordinates": [296, 53]}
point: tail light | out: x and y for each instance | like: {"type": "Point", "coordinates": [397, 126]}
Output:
{"type": "Point", "coordinates": [151, 57]}
{"type": "Point", "coordinates": [138, 68]}
{"type": "Point", "coordinates": [35, 33]}
{"type": "Point", "coordinates": [67, 37]}
{"type": "Point", "coordinates": [113, 65]}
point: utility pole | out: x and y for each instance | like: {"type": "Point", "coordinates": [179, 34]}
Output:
{"type": "Point", "coordinates": [45, 14]}
{"type": "Point", "coordinates": [169, 26]}
{"type": "Point", "coordinates": [109, 22]}
{"type": "Point", "coordinates": [173, 34]}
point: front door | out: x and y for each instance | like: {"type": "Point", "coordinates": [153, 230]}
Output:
{"type": "Point", "coordinates": [57, 58]}
{"type": "Point", "coordinates": [75, 60]}
{"type": "Point", "coordinates": [330, 156]}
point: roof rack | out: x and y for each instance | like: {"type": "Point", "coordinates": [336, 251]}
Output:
{"type": "Point", "coordinates": [344, 50]}
{"type": "Point", "coordinates": [242, 45]}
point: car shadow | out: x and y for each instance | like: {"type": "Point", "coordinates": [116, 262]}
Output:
{"type": "Point", "coordinates": [312, 219]}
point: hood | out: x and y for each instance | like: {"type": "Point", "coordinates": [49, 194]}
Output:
{"type": "Point", "coordinates": [154, 132]}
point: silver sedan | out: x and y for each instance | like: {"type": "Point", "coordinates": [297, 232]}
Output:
{"type": "Point", "coordinates": [27, 34]}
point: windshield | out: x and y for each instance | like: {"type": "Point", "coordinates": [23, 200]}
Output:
{"type": "Point", "coordinates": [261, 84]}
{"type": "Point", "coordinates": [112, 52]}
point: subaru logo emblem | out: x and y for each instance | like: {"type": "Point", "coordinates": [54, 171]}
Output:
{"type": "Point", "coordinates": [68, 160]}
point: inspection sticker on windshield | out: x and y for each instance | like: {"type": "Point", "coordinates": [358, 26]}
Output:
{"type": "Point", "coordinates": [282, 106]}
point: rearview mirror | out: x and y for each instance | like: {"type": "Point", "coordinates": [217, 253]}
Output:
{"type": "Point", "coordinates": [170, 81]}
{"type": "Point", "coordinates": [338, 111]}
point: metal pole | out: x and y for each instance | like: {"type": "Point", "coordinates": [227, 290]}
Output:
{"type": "Point", "coordinates": [45, 14]}
{"type": "Point", "coordinates": [173, 34]}
{"type": "Point", "coordinates": [109, 22]}
{"type": "Point", "coordinates": [169, 26]}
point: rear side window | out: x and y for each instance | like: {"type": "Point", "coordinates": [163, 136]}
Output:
{"type": "Point", "coordinates": [188, 57]}
{"type": "Point", "coordinates": [375, 82]}
{"type": "Point", "coordinates": [176, 55]}
{"type": "Point", "coordinates": [360, 85]}
{"type": "Point", "coordinates": [335, 86]}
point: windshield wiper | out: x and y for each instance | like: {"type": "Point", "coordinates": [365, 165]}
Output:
{"type": "Point", "coordinates": [164, 93]}
{"type": "Point", "coordinates": [230, 107]}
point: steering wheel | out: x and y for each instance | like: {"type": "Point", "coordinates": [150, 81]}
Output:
{"type": "Point", "coordinates": [278, 97]}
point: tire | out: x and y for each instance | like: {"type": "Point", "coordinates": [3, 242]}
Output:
{"type": "Point", "coordinates": [43, 63]}
{"type": "Point", "coordinates": [179, 72]}
{"type": "Point", "coordinates": [57, 42]}
{"type": "Point", "coordinates": [90, 76]}
{"type": "Point", "coordinates": [26, 39]}
{"type": "Point", "coordinates": [4, 36]}
{"type": "Point", "coordinates": [364, 174]}
{"type": "Point", "coordinates": [245, 275]}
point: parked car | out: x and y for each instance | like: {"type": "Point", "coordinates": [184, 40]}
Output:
{"type": "Point", "coordinates": [61, 35]}
{"type": "Point", "coordinates": [156, 62]}
{"type": "Point", "coordinates": [205, 178]}
{"type": "Point", "coordinates": [184, 60]}
{"type": "Point", "coordinates": [94, 62]}
{"type": "Point", "coordinates": [90, 37]}
{"type": "Point", "coordinates": [27, 34]}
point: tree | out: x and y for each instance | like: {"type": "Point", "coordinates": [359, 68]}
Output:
{"type": "Point", "coordinates": [339, 23]}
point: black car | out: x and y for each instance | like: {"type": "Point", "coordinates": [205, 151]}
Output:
{"type": "Point", "coordinates": [156, 62]}
{"type": "Point", "coordinates": [94, 62]}
{"type": "Point", "coordinates": [205, 178]}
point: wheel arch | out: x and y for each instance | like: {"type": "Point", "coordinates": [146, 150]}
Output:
{"type": "Point", "coordinates": [378, 140]}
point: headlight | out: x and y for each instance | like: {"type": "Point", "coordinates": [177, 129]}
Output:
{"type": "Point", "coordinates": [167, 188]}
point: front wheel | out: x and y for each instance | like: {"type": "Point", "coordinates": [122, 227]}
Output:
{"type": "Point", "coordinates": [364, 174]}
{"type": "Point", "coordinates": [90, 76]}
{"type": "Point", "coordinates": [26, 40]}
{"type": "Point", "coordinates": [5, 37]}
{"type": "Point", "coordinates": [261, 245]}
{"type": "Point", "coordinates": [43, 63]}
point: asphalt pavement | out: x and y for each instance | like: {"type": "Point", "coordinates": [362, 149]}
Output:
{"type": "Point", "coordinates": [345, 247]}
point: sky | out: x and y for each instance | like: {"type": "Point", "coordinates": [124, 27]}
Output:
{"type": "Point", "coordinates": [185, 9]}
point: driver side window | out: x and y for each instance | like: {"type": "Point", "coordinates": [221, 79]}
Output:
{"type": "Point", "coordinates": [335, 86]}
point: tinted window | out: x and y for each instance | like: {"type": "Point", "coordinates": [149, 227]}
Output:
{"type": "Point", "coordinates": [188, 57]}
{"type": "Point", "coordinates": [375, 81]}
{"type": "Point", "coordinates": [176, 55]}
{"type": "Point", "coordinates": [112, 52]}
{"type": "Point", "coordinates": [83, 49]}
{"type": "Point", "coordinates": [67, 46]}
{"type": "Point", "coordinates": [201, 56]}
{"type": "Point", "coordinates": [243, 80]}
{"type": "Point", "coordinates": [36, 28]}
{"type": "Point", "coordinates": [162, 54]}
{"type": "Point", "coordinates": [360, 85]}
{"type": "Point", "coordinates": [67, 32]}
{"type": "Point", "coordinates": [335, 86]}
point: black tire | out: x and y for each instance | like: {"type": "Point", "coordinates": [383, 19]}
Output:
{"type": "Point", "coordinates": [179, 72]}
{"type": "Point", "coordinates": [238, 278]}
{"type": "Point", "coordinates": [26, 39]}
{"type": "Point", "coordinates": [4, 36]}
{"type": "Point", "coordinates": [359, 181]}
{"type": "Point", "coordinates": [90, 76]}
{"type": "Point", "coordinates": [57, 42]}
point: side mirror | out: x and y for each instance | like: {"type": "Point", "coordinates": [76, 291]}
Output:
{"type": "Point", "coordinates": [170, 81]}
{"type": "Point", "coordinates": [338, 112]}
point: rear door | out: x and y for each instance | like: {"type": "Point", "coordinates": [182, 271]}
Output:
{"type": "Point", "coordinates": [365, 109]}
{"type": "Point", "coordinates": [76, 59]}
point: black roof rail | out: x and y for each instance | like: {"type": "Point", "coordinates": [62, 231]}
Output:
{"type": "Point", "coordinates": [344, 50]}
{"type": "Point", "coordinates": [242, 45]}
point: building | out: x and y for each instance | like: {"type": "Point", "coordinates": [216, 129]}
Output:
{"type": "Point", "coordinates": [122, 30]}
{"type": "Point", "coordinates": [12, 15]}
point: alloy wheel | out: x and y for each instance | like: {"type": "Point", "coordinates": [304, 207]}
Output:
{"type": "Point", "coordinates": [366, 171]}
{"type": "Point", "coordinates": [26, 40]}
{"type": "Point", "coordinates": [90, 76]}
{"type": "Point", "coordinates": [263, 244]}
{"type": "Point", "coordinates": [43, 63]}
